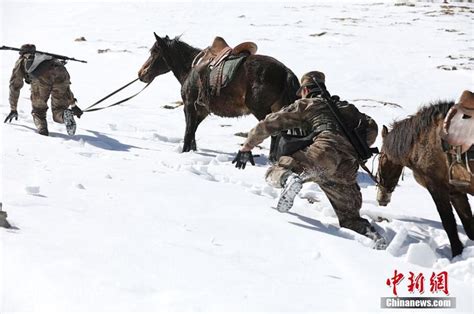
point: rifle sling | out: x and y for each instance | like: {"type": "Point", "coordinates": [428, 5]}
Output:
{"type": "Point", "coordinates": [363, 152]}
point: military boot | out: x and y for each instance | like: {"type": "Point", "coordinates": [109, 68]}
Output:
{"type": "Point", "coordinates": [292, 187]}
{"type": "Point", "coordinates": [69, 122]}
{"type": "Point", "coordinates": [40, 123]}
{"type": "Point", "coordinates": [379, 242]}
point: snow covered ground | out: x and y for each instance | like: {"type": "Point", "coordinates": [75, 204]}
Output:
{"type": "Point", "coordinates": [117, 219]}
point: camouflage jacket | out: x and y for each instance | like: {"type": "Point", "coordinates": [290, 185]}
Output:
{"type": "Point", "coordinates": [41, 69]}
{"type": "Point", "coordinates": [308, 114]}
{"type": "Point", "coordinates": [16, 82]}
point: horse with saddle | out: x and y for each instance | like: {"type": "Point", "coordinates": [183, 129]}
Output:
{"type": "Point", "coordinates": [225, 81]}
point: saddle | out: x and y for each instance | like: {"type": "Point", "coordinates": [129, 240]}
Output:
{"type": "Point", "coordinates": [458, 134]}
{"type": "Point", "coordinates": [219, 50]}
{"type": "Point", "coordinates": [214, 59]}
{"type": "Point", "coordinates": [458, 127]}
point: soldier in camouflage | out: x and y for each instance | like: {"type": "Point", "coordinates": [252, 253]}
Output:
{"type": "Point", "coordinates": [48, 78]}
{"type": "Point", "coordinates": [330, 160]}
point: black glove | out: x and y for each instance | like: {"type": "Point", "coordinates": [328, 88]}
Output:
{"type": "Point", "coordinates": [77, 111]}
{"type": "Point", "coordinates": [241, 159]}
{"type": "Point", "coordinates": [11, 115]}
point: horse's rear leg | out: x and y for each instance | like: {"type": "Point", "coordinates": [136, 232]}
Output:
{"type": "Point", "coordinates": [275, 139]}
{"type": "Point", "coordinates": [273, 147]}
{"type": "Point", "coordinates": [461, 204]}
{"type": "Point", "coordinates": [441, 198]}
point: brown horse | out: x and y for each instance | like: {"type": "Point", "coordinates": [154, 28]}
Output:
{"type": "Point", "coordinates": [416, 143]}
{"type": "Point", "coordinates": [261, 86]}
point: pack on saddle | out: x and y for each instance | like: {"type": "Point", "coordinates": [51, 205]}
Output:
{"type": "Point", "coordinates": [458, 136]}
{"type": "Point", "coordinates": [218, 64]}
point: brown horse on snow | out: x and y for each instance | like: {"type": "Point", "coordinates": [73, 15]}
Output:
{"type": "Point", "coordinates": [262, 85]}
{"type": "Point", "coordinates": [416, 143]}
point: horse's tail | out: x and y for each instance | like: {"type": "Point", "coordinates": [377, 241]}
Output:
{"type": "Point", "coordinates": [292, 86]}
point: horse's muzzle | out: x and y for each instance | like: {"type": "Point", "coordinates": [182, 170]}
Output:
{"type": "Point", "coordinates": [383, 198]}
{"type": "Point", "coordinates": [144, 77]}
{"type": "Point", "coordinates": [144, 74]}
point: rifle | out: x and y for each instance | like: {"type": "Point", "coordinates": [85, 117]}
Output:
{"type": "Point", "coordinates": [355, 136]}
{"type": "Point", "coordinates": [45, 53]}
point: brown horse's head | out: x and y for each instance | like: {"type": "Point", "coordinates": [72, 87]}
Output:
{"type": "Point", "coordinates": [388, 175]}
{"type": "Point", "coordinates": [156, 63]}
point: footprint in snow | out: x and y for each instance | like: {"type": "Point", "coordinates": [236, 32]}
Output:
{"type": "Point", "coordinates": [32, 189]}
{"type": "Point", "coordinates": [88, 155]}
{"type": "Point", "coordinates": [200, 171]}
{"type": "Point", "coordinates": [112, 126]}
{"type": "Point", "coordinates": [167, 139]}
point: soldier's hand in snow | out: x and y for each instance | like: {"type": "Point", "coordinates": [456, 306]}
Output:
{"type": "Point", "coordinates": [241, 159]}
{"type": "Point", "coordinates": [77, 111]}
{"type": "Point", "coordinates": [11, 115]}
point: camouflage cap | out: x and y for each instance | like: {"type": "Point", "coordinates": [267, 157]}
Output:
{"type": "Point", "coordinates": [27, 48]}
{"type": "Point", "coordinates": [309, 79]}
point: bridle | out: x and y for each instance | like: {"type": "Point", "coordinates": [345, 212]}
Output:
{"type": "Point", "coordinates": [380, 180]}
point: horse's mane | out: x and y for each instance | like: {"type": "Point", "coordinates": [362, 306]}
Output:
{"type": "Point", "coordinates": [177, 42]}
{"type": "Point", "coordinates": [187, 51]}
{"type": "Point", "coordinates": [179, 55]}
{"type": "Point", "coordinates": [405, 133]}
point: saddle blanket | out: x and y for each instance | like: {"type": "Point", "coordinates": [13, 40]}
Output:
{"type": "Point", "coordinates": [225, 72]}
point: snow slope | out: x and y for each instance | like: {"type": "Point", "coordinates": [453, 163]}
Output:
{"type": "Point", "coordinates": [116, 219]}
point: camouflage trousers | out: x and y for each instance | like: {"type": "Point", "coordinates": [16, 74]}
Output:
{"type": "Point", "coordinates": [55, 85]}
{"type": "Point", "coordinates": [329, 162]}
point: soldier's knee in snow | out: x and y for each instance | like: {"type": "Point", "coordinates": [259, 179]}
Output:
{"type": "Point", "coordinates": [287, 162]}
{"type": "Point", "coordinates": [276, 176]}
{"type": "Point", "coordinates": [58, 116]}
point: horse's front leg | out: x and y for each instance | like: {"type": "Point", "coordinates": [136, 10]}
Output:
{"type": "Point", "coordinates": [463, 208]}
{"type": "Point", "coordinates": [190, 132]}
{"type": "Point", "coordinates": [443, 205]}
{"type": "Point", "coordinates": [194, 116]}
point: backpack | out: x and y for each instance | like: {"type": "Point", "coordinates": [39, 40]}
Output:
{"type": "Point", "coordinates": [362, 125]}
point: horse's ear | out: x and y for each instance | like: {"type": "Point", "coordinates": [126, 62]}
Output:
{"type": "Point", "coordinates": [159, 40]}
{"type": "Point", "coordinates": [384, 131]}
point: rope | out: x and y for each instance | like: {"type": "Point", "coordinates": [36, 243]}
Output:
{"type": "Point", "coordinates": [90, 108]}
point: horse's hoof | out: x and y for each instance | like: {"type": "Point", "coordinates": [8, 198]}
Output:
{"type": "Point", "coordinates": [457, 251]}
{"type": "Point", "coordinates": [470, 230]}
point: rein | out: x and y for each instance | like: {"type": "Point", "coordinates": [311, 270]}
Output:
{"type": "Point", "coordinates": [91, 107]}
{"type": "Point", "coordinates": [374, 178]}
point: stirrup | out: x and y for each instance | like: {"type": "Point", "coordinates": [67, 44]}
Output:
{"type": "Point", "coordinates": [458, 161]}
